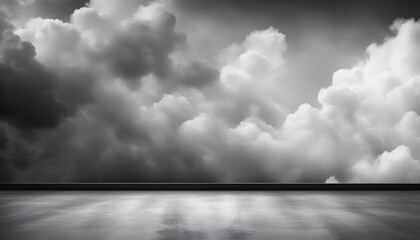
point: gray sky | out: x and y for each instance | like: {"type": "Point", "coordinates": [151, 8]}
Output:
{"type": "Point", "coordinates": [209, 91]}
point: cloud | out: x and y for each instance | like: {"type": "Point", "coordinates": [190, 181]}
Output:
{"type": "Point", "coordinates": [395, 166]}
{"type": "Point", "coordinates": [196, 74]}
{"type": "Point", "coordinates": [4, 24]}
{"type": "Point", "coordinates": [114, 95]}
{"type": "Point", "coordinates": [356, 134]}
{"type": "Point", "coordinates": [143, 42]}
{"type": "Point", "coordinates": [27, 89]}
{"type": "Point", "coordinates": [116, 10]}
{"type": "Point", "coordinates": [52, 38]}
{"type": "Point", "coordinates": [134, 46]}
{"type": "Point", "coordinates": [132, 126]}
{"type": "Point", "coordinates": [371, 102]}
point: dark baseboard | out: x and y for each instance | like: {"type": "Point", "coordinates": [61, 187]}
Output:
{"type": "Point", "coordinates": [211, 186]}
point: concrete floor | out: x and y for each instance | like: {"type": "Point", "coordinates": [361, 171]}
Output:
{"type": "Point", "coordinates": [209, 215]}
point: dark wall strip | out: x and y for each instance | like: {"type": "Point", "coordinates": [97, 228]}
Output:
{"type": "Point", "coordinates": [209, 186]}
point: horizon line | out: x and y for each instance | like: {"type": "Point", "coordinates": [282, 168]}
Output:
{"type": "Point", "coordinates": [212, 186]}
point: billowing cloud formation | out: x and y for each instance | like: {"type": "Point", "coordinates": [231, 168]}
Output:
{"type": "Point", "coordinates": [113, 95]}
{"type": "Point", "coordinates": [25, 86]}
{"type": "Point", "coordinates": [368, 116]}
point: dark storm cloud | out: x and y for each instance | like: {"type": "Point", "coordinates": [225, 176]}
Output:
{"type": "Point", "coordinates": [27, 89]}
{"type": "Point", "coordinates": [4, 24]}
{"type": "Point", "coordinates": [197, 74]}
{"type": "Point", "coordinates": [90, 156]}
{"type": "Point", "coordinates": [74, 87]}
{"type": "Point", "coordinates": [85, 146]}
{"type": "Point", "coordinates": [141, 47]}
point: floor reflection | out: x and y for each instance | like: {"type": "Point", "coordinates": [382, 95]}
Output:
{"type": "Point", "coordinates": [209, 215]}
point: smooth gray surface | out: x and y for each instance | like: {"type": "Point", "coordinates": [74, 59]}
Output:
{"type": "Point", "coordinates": [209, 215]}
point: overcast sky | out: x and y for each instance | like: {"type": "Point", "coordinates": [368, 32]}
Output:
{"type": "Point", "coordinates": [209, 91]}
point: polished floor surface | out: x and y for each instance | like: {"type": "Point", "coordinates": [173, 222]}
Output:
{"type": "Point", "coordinates": [209, 215]}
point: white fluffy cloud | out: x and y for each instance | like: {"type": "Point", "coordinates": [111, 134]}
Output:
{"type": "Point", "coordinates": [372, 110]}
{"type": "Point", "coordinates": [53, 39]}
{"type": "Point", "coordinates": [143, 110]}
{"type": "Point", "coordinates": [396, 166]}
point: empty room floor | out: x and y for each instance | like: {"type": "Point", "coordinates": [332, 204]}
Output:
{"type": "Point", "coordinates": [43, 215]}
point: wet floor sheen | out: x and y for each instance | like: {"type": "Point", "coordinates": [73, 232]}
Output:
{"type": "Point", "coordinates": [209, 215]}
